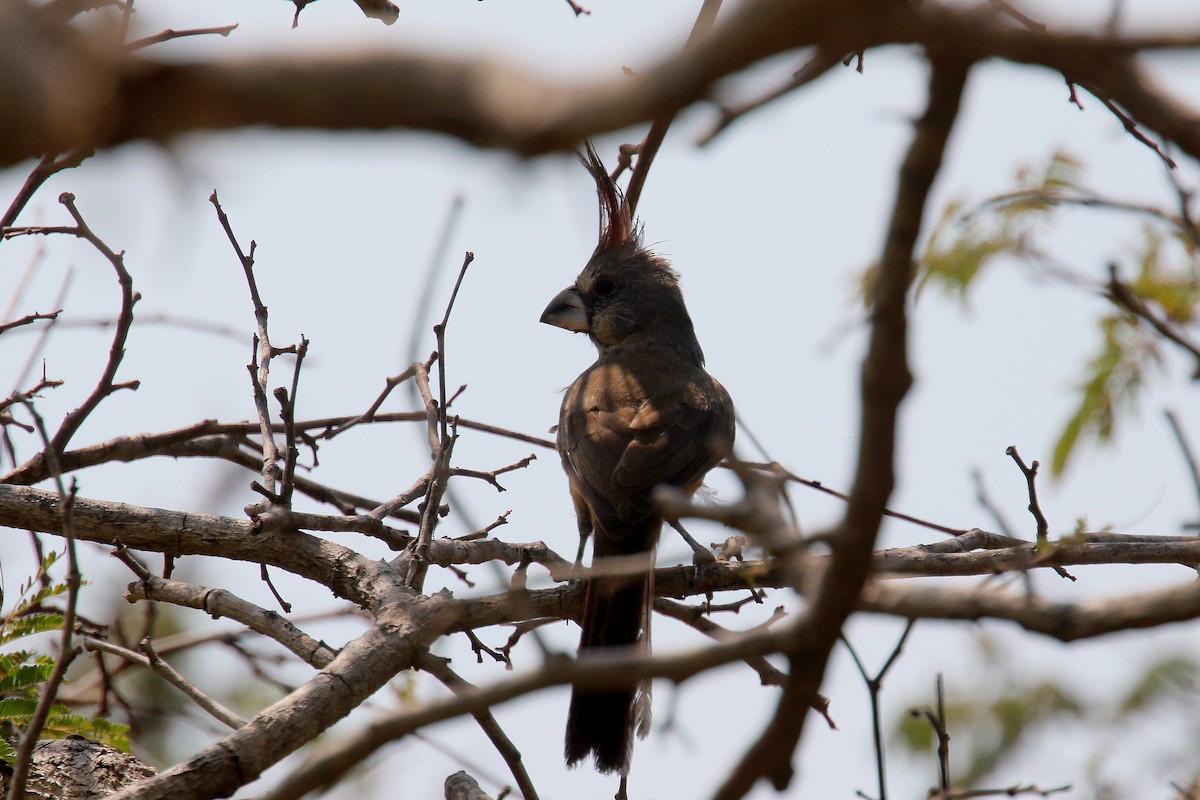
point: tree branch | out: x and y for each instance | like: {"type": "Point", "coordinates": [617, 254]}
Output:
{"type": "Point", "coordinates": [885, 381]}
{"type": "Point", "coordinates": [494, 105]}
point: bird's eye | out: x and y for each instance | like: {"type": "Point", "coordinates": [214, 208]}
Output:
{"type": "Point", "coordinates": [604, 287]}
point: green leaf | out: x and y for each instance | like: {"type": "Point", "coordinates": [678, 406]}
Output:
{"type": "Point", "coordinates": [43, 594]}
{"type": "Point", "coordinates": [10, 661]}
{"type": "Point", "coordinates": [62, 722]}
{"type": "Point", "coordinates": [24, 679]}
{"type": "Point", "coordinates": [29, 624]}
{"type": "Point", "coordinates": [1062, 173]}
{"type": "Point", "coordinates": [17, 710]}
{"type": "Point", "coordinates": [1173, 287]}
{"type": "Point", "coordinates": [1173, 675]}
{"type": "Point", "coordinates": [1112, 381]}
{"type": "Point", "coordinates": [915, 733]}
{"type": "Point", "coordinates": [959, 248]}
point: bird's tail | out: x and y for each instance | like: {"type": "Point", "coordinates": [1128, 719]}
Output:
{"type": "Point", "coordinates": [602, 721]}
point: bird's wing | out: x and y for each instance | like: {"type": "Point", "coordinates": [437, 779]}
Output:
{"type": "Point", "coordinates": [675, 442]}
{"type": "Point", "coordinates": [615, 458]}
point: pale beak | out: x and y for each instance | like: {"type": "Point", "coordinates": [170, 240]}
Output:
{"type": "Point", "coordinates": [566, 311]}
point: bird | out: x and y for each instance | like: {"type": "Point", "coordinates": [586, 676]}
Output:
{"type": "Point", "coordinates": [645, 414]}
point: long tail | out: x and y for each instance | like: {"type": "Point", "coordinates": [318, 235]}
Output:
{"type": "Point", "coordinates": [602, 721]}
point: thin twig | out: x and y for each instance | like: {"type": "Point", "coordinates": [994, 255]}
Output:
{"type": "Point", "coordinates": [39, 347]}
{"type": "Point", "coordinates": [150, 660]}
{"type": "Point", "coordinates": [937, 719]}
{"type": "Point", "coordinates": [261, 351]}
{"type": "Point", "coordinates": [442, 438]}
{"type": "Point", "coordinates": [1005, 7]}
{"type": "Point", "coordinates": [1015, 790]}
{"type": "Point", "coordinates": [1186, 449]}
{"type": "Point", "coordinates": [49, 165]}
{"type": "Point", "coordinates": [288, 413]}
{"type": "Point", "coordinates": [170, 33]}
{"type": "Point", "coordinates": [1124, 297]}
{"type": "Point", "coordinates": [1030, 473]}
{"type": "Point", "coordinates": [265, 576]}
{"type": "Point", "coordinates": [27, 319]}
{"type": "Point", "coordinates": [369, 415]}
{"type": "Point", "coordinates": [105, 385]}
{"type": "Point", "coordinates": [440, 669]}
{"type": "Point", "coordinates": [820, 63]}
{"type": "Point", "coordinates": [491, 475]}
{"type": "Point", "coordinates": [67, 650]}
{"type": "Point", "coordinates": [768, 673]}
{"type": "Point", "coordinates": [483, 532]}
{"type": "Point", "coordinates": [981, 497]}
{"type": "Point", "coordinates": [874, 687]}
{"type": "Point", "coordinates": [658, 128]}
{"type": "Point", "coordinates": [432, 415]}
{"type": "Point", "coordinates": [786, 474]}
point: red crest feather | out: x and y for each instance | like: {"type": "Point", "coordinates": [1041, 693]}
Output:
{"type": "Point", "coordinates": [616, 223]}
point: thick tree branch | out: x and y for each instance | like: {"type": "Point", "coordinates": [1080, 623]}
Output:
{"type": "Point", "coordinates": [1064, 621]}
{"type": "Point", "coordinates": [885, 381]}
{"type": "Point", "coordinates": [347, 574]}
{"type": "Point", "coordinates": [601, 671]}
{"type": "Point", "coordinates": [100, 100]}
{"type": "Point", "coordinates": [362, 667]}
{"type": "Point", "coordinates": [219, 603]}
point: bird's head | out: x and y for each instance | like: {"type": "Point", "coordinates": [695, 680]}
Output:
{"type": "Point", "coordinates": [625, 293]}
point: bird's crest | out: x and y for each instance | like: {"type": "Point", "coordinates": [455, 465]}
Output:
{"type": "Point", "coordinates": [616, 221]}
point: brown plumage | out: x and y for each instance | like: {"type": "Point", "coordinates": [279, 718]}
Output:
{"type": "Point", "coordinates": [645, 414]}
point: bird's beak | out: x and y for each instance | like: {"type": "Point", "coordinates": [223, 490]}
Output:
{"type": "Point", "coordinates": [566, 311]}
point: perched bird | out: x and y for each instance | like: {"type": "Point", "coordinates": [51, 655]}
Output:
{"type": "Point", "coordinates": [646, 414]}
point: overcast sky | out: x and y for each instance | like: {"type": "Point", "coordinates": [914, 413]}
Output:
{"type": "Point", "coordinates": [768, 226]}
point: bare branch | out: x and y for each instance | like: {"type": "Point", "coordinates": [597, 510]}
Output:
{"type": "Point", "coordinates": [874, 687]}
{"type": "Point", "coordinates": [768, 673]}
{"type": "Point", "coordinates": [605, 670]}
{"type": "Point", "coordinates": [1185, 448]}
{"type": "Point", "coordinates": [261, 351]}
{"type": "Point", "coordinates": [169, 34]}
{"type": "Point", "coordinates": [168, 673]}
{"type": "Point", "coordinates": [27, 319]}
{"type": "Point", "coordinates": [658, 128]}
{"type": "Point", "coordinates": [818, 65]}
{"type": "Point", "coordinates": [461, 786]}
{"type": "Point", "coordinates": [1030, 473]}
{"type": "Point", "coordinates": [1124, 297]}
{"type": "Point", "coordinates": [169, 443]}
{"type": "Point", "coordinates": [492, 105]}
{"type": "Point", "coordinates": [1065, 622]}
{"type": "Point", "coordinates": [48, 166]}
{"type": "Point", "coordinates": [105, 385]}
{"type": "Point", "coordinates": [219, 603]}
{"type": "Point", "coordinates": [67, 651]}
{"type": "Point", "coordinates": [440, 669]}
{"type": "Point", "coordinates": [885, 381]}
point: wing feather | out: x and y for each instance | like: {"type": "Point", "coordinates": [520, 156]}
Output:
{"type": "Point", "coordinates": [616, 456]}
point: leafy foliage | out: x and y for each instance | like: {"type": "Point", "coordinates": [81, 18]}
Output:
{"type": "Point", "coordinates": [1161, 682]}
{"type": "Point", "coordinates": [22, 672]}
{"type": "Point", "coordinates": [1003, 715]}
{"type": "Point", "coordinates": [966, 241]}
{"type": "Point", "coordinates": [995, 725]}
{"type": "Point", "coordinates": [1115, 375]}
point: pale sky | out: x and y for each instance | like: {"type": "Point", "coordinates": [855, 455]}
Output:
{"type": "Point", "coordinates": [768, 227]}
